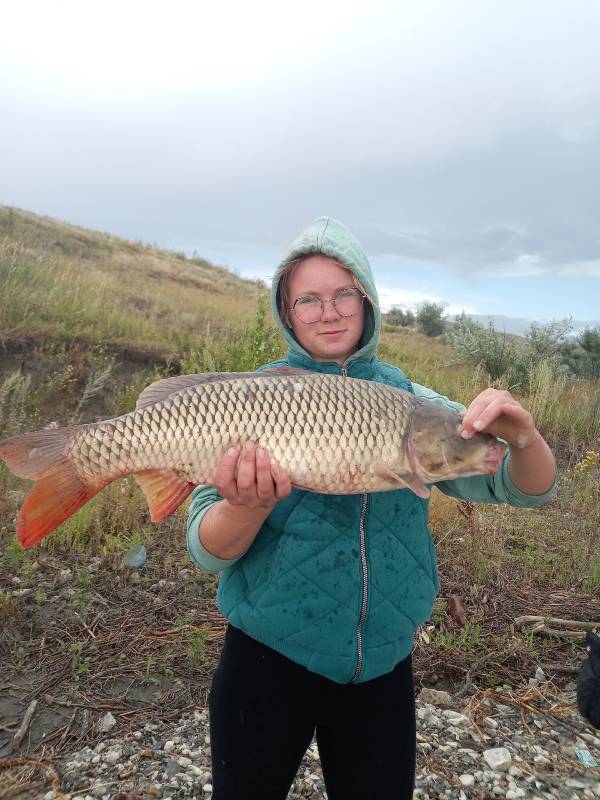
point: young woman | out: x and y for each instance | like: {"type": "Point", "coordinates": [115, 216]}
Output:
{"type": "Point", "coordinates": [323, 593]}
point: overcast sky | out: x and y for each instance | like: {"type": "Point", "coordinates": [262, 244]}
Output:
{"type": "Point", "coordinates": [460, 141]}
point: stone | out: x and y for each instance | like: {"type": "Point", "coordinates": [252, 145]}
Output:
{"type": "Point", "coordinates": [111, 756]}
{"type": "Point", "coordinates": [498, 759]}
{"type": "Point", "coordinates": [466, 779]}
{"type": "Point", "coordinates": [434, 696]}
{"type": "Point", "coordinates": [172, 769]}
{"type": "Point", "coordinates": [455, 718]}
{"type": "Point", "coordinates": [106, 723]}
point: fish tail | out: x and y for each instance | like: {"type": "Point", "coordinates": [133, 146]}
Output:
{"type": "Point", "coordinates": [59, 491]}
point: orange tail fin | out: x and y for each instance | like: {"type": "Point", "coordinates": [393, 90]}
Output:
{"type": "Point", "coordinates": [58, 492]}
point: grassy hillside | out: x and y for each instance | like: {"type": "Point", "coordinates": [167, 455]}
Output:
{"type": "Point", "coordinates": [86, 321]}
{"type": "Point", "coordinates": [61, 283]}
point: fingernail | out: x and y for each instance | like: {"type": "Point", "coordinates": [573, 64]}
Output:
{"type": "Point", "coordinates": [232, 451]}
{"type": "Point", "coordinates": [261, 453]}
{"type": "Point", "coordinates": [465, 434]}
{"type": "Point", "coordinates": [478, 424]}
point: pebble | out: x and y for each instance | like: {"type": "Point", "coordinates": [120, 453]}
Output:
{"type": "Point", "coordinates": [106, 723]}
{"type": "Point", "coordinates": [498, 758]}
{"type": "Point", "coordinates": [171, 761]}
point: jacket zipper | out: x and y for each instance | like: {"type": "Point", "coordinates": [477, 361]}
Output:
{"type": "Point", "coordinates": [364, 590]}
{"type": "Point", "coordinates": [362, 539]}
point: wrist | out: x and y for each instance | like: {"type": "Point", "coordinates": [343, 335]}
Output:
{"type": "Point", "coordinates": [240, 511]}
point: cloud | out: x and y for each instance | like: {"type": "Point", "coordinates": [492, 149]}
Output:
{"type": "Point", "coordinates": [427, 128]}
{"type": "Point", "coordinates": [390, 296]}
{"type": "Point", "coordinates": [527, 265]}
{"type": "Point", "coordinates": [585, 269]}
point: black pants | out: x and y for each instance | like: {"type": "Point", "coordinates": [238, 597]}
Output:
{"type": "Point", "coordinates": [264, 710]}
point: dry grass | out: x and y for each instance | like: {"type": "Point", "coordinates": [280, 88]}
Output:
{"type": "Point", "coordinates": [60, 283]}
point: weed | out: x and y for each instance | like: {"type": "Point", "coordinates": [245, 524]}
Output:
{"type": "Point", "coordinates": [8, 609]}
{"type": "Point", "coordinates": [150, 676]}
{"type": "Point", "coordinates": [79, 665]}
{"type": "Point", "coordinates": [40, 598]}
{"type": "Point", "coordinates": [196, 650]}
{"type": "Point", "coordinates": [19, 647]}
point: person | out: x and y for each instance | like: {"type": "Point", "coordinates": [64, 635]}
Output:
{"type": "Point", "coordinates": [323, 593]}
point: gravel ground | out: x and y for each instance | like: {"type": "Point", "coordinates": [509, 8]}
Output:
{"type": "Point", "coordinates": [478, 747]}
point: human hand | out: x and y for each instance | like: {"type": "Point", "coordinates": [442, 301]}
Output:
{"type": "Point", "coordinates": [497, 412]}
{"type": "Point", "coordinates": [248, 478]}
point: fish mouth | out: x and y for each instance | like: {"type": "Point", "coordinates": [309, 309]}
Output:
{"type": "Point", "coordinates": [493, 456]}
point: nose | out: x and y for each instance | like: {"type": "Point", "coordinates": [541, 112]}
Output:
{"type": "Point", "coordinates": [329, 311]}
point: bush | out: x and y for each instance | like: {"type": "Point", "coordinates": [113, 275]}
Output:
{"type": "Point", "coordinates": [582, 354]}
{"type": "Point", "coordinates": [506, 363]}
{"type": "Point", "coordinates": [396, 316]}
{"type": "Point", "coordinates": [430, 319]}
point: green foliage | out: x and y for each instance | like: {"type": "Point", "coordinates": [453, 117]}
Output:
{"type": "Point", "coordinates": [242, 350]}
{"type": "Point", "coordinates": [484, 347]}
{"type": "Point", "coordinates": [506, 363]}
{"type": "Point", "coordinates": [468, 638]}
{"type": "Point", "coordinates": [430, 319]}
{"type": "Point", "coordinates": [582, 354]}
{"type": "Point", "coordinates": [196, 650]}
{"type": "Point", "coordinates": [396, 316]}
{"type": "Point", "coordinates": [78, 662]}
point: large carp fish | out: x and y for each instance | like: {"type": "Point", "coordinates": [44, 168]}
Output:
{"type": "Point", "coordinates": [333, 434]}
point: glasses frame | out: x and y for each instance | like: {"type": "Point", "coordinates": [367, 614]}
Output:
{"type": "Point", "coordinates": [331, 300]}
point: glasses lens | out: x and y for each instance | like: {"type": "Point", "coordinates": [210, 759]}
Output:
{"type": "Point", "coordinates": [348, 302]}
{"type": "Point", "coordinates": [308, 309]}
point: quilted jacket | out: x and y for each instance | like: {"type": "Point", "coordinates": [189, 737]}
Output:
{"type": "Point", "coordinates": [340, 583]}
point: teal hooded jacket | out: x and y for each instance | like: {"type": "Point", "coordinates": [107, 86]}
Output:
{"type": "Point", "coordinates": [340, 583]}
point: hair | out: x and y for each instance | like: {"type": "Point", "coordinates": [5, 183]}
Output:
{"type": "Point", "coordinates": [283, 298]}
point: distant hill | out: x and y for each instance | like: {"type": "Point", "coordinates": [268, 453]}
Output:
{"type": "Point", "coordinates": [519, 326]}
{"type": "Point", "coordinates": [61, 283]}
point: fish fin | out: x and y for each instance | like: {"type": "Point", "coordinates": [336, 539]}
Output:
{"type": "Point", "coordinates": [408, 481]}
{"type": "Point", "coordinates": [165, 491]}
{"type": "Point", "coordinates": [159, 390]}
{"type": "Point", "coordinates": [30, 455]}
{"type": "Point", "coordinates": [285, 371]}
{"type": "Point", "coordinates": [54, 498]}
{"type": "Point", "coordinates": [58, 492]}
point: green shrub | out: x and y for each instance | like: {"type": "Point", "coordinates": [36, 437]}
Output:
{"type": "Point", "coordinates": [430, 319]}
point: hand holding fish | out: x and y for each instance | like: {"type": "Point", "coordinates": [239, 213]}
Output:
{"type": "Point", "coordinates": [248, 478]}
{"type": "Point", "coordinates": [497, 412]}
{"type": "Point", "coordinates": [531, 465]}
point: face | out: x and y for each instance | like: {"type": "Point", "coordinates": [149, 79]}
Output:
{"type": "Point", "coordinates": [333, 338]}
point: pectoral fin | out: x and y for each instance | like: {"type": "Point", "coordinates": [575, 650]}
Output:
{"type": "Point", "coordinates": [165, 491]}
{"type": "Point", "coordinates": [407, 481]}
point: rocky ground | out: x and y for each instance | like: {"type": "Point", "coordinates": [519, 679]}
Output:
{"type": "Point", "coordinates": [490, 745]}
{"type": "Point", "coordinates": [105, 671]}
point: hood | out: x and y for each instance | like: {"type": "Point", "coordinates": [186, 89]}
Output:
{"type": "Point", "coordinates": [328, 237]}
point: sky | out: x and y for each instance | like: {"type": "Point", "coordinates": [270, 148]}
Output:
{"type": "Point", "coordinates": [459, 141]}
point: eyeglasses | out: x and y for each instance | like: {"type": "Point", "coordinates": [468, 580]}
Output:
{"type": "Point", "coordinates": [311, 307]}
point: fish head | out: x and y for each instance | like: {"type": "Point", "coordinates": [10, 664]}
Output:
{"type": "Point", "coordinates": [437, 452]}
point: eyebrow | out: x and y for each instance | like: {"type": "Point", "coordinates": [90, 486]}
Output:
{"type": "Point", "coordinates": [314, 292]}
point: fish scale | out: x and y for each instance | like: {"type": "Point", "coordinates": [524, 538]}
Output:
{"type": "Point", "coordinates": [312, 425]}
{"type": "Point", "coordinates": [330, 433]}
